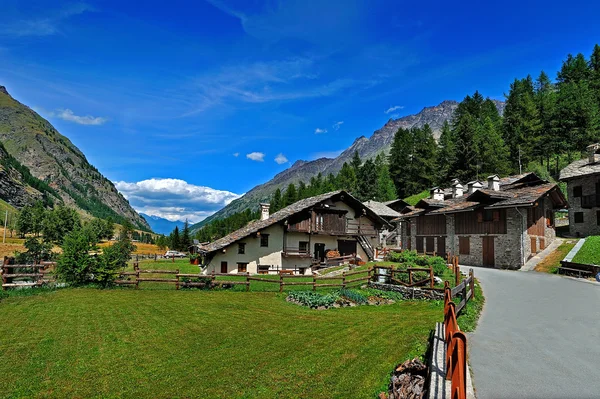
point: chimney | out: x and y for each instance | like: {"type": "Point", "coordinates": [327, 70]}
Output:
{"type": "Point", "coordinates": [264, 211]}
{"type": "Point", "coordinates": [437, 194]}
{"type": "Point", "coordinates": [592, 149]}
{"type": "Point", "coordinates": [474, 186]}
{"type": "Point", "coordinates": [493, 183]}
{"type": "Point", "coordinates": [457, 189]}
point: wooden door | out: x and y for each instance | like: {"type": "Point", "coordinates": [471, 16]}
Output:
{"type": "Point", "coordinates": [320, 252]}
{"type": "Point", "coordinates": [488, 251]}
{"type": "Point", "coordinates": [441, 246]}
{"type": "Point", "coordinates": [223, 267]}
{"type": "Point", "coordinates": [533, 245]}
{"type": "Point", "coordinates": [429, 244]}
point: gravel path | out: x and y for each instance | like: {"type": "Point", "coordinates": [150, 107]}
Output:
{"type": "Point", "coordinates": [538, 337]}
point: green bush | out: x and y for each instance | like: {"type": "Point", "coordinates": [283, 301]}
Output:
{"type": "Point", "coordinates": [413, 259]}
{"type": "Point", "coordinates": [393, 295]}
{"type": "Point", "coordinates": [352, 295]}
{"type": "Point", "coordinates": [313, 299]}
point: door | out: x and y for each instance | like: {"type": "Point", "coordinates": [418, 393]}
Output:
{"type": "Point", "coordinates": [488, 251]}
{"type": "Point", "coordinates": [320, 252]}
{"type": "Point", "coordinates": [533, 245]}
{"type": "Point", "coordinates": [223, 267]}
{"type": "Point", "coordinates": [441, 246]}
{"type": "Point", "coordinates": [346, 247]}
{"type": "Point", "coordinates": [429, 244]}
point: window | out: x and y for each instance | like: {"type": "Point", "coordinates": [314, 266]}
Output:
{"type": "Point", "coordinates": [488, 215]}
{"type": "Point", "coordinates": [420, 244]}
{"type": "Point", "coordinates": [464, 246]}
{"type": "Point", "coordinates": [242, 267]}
{"type": "Point", "coordinates": [578, 217]}
{"type": "Point", "coordinates": [577, 191]}
{"type": "Point", "coordinates": [264, 240]}
{"type": "Point", "coordinates": [303, 247]}
{"type": "Point", "coordinates": [223, 267]}
{"type": "Point", "coordinates": [242, 248]}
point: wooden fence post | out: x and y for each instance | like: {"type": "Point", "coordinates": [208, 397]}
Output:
{"type": "Point", "coordinates": [173, 258]}
{"type": "Point", "coordinates": [177, 283]}
{"type": "Point", "coordinates": [431, 284]}
{"type": "Point", "coordinates": [155, 257]}
{"type": "Point", "coordinates": [456, 275]}
{"type": "Point", "coordinates": [472, 283]}
{"type": "Point", "coordinates": [391, 275]}
{"type": "Point", "coordinates": [343, 279]}
{"type": "Point", "coordinates": [314, 282]}
{"type": "Point", "coordinates": [410, 279]}
{"type": "Point", "coordinates": [281, 282]}
{"type": "Point", "coordinates": [247, 281]}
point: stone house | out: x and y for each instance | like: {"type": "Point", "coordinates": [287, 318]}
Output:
{"type": "Point", "coordinates": [498, 225]}
{"type": "Point", "coordinates": [297, 237]}
{"type": "Point", "coordinates": [583, 189]}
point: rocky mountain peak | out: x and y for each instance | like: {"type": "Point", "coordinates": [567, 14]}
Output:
{"type": "Point", "coordinates": [3, 90]}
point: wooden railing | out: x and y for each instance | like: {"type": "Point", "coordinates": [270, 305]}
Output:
{"type": "Point", "coordinates": [456, 341]}
{"type": "Point", "coordinates": [33, 275]}
{"type": "Point", "coordinates": [393, 273]}
{"type": "Point", "coordinates": [296, 251]}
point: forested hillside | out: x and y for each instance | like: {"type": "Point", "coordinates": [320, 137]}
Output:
{"type": "Point", "coordinates": [545, 125]}
{"type": "Point", "coordinates": [51, 164]}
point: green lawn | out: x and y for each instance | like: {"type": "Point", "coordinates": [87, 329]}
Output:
{"type": "Point", "coordinates": [589, 253]}
{"type": "Point", "coordinates": [209, 344]}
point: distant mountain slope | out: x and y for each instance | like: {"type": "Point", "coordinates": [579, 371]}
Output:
{"type": "Point", "coordinates": [379, 141]}
{"type": "Point", "coordinates": [53, 159]}
{"type": "Point", "coordinates": [160, 225]}
{"type": "Point", "coordinates": [13, 187]}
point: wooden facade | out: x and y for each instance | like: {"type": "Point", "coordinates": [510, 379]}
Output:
{"type": "Point", "coordinates": [536, 221]}
{"type": "Point", "coordinates": [481, 222]}
{"type": "Point", "coordinates": [433, 225]}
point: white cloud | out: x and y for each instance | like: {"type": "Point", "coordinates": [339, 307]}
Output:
{"type": "Point", "coordinates": [68, 115]}
{"type": "Point", "coordinates": [320, 131]}
{"type": "Point", "coordinates": [236, 154]}
{"type": "Point", "coordinates": [281, 159]}
{"type": "Point", "coordinates": [394, 108]}
{"type": "Point", "coordinates": [47, 25]}
{"type": "Point", "coordinates": [256, 156]}
{"type": "Point", "coordinates": [337, 125]}
{"type": "Point", "coordinates": [174, 199]}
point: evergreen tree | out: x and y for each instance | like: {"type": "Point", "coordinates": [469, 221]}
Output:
{"type": "Point", "coordinates": [446, 154]}
{"type": "Point", "coordinates": [386, 191]}
{"type": "Point", "coordinates": [276, 201]}
{"type": "Point", "coordinates": [521, 125]}
{"type": "Point", "coordinates": [302, 191]}
{"type": "Point", "coordinates": [356, 162]}
{"type": "Point", "coordinates": [186, 240]}
{"type": "Point", "coordinates": [545, 102]}
{"type": "Point", "coordinates": [367, 181]}
{"type": "Point", "coordinates": [494, 157]}
{"type": "Point", "coordinates": [175, 240]}
{"type": "Point", "coordinates": [346, 179]}
{"type": "Point", "coordinates": [400, 158]}
{"type": "Point", "coordinates": [464, 129]}
{"type": "Point", "coordinates": [595, 72]}
{"type": "Point", "coordinates": [290, 196]}
{"type": "Point", "coordinates": [25, 221]}
{"type": "Point", "coordinates": [330, 184]}
{"type": "Point", "coordinates": [422, 171]}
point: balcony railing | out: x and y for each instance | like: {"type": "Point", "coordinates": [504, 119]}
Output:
{"type": "Point", "coordinates": [590, 201]}
{"type": "Point", "coordinates": [296, 252]}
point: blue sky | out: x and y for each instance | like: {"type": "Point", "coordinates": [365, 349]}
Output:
{"type": "Point", "coordinates": [186, 105]}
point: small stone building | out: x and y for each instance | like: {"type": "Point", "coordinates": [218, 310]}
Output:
{"type": "Point", "coordinates": [498, 225]}
{"type": "Point", "coordinates": [298, 237]}
{"type": "Point", "coordinates": [583, 189]}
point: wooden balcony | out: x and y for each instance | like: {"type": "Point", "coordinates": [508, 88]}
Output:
{"type": "Point", "coordinates": [295, 252]}
{"type": "Point", "coordinates": [590, 201]}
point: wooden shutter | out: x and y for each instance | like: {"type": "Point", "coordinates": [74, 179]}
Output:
{"type": "Point", "coordinates": [464, 246]}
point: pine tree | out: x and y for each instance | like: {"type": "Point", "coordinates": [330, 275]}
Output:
{"type": "Point", "coordinates": [330, 183]}
{"type": "Point", "coordinates": [290, 196]}
{"type": "Point", "coordinates": [175, 240]}
{"type": "Point", "coordinates": [493, 152]}
{"type": "Point", "coordinates": [367, 181]}
{"type": "Point", "coordinates": [346, 179]}
{"type": "Point", "coordinates": [464, 129]}
{"type": "Point", "coordinates": [386, 191]}
{"type": "Point", "coordinates": [302, 191]}
{"type": "Point", "coordinates": [422, 171]}
{"type": "Point", "coordinates": [446, 154]}
{"type": "Point", "coordinates": [545, 102]}
{"type": "Point", "coordinates": [186, 240]}
{"type": "Point", "coordinates": [400, 158]}
{"type": "Point", "coordinates": [356, 162]}
{"type": "Point", "coordinates": [276, 201]}
{"type": "Point", "coordinates": [595, 72]}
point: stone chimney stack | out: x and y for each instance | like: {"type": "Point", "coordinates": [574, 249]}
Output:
{"type": "Point", "coordinates": [264, 211]}
{"type": "Point", "coordinates": [591, 150]}
{"type": "Point", "coordinates": [437, 194]}
{"type": "Point", "coordinates": [474, 186]}
{"type": "Point", "coordinates": [457, 189]}
{"type": "Point", "coordinates": [493, 183]}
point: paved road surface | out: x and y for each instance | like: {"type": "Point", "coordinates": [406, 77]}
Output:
{"type": "Point", "coordinates": [538, 337]}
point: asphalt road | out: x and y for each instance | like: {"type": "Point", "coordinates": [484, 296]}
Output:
{"type": "Point", "coordinates": [538, 337]}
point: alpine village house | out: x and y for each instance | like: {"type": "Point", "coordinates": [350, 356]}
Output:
{"type": "Point", "coordinates": [298, 237]}
{"type": "Point", "coordinates": [583, 189]}
{"type": "Point", "coordinates": [501, 225]}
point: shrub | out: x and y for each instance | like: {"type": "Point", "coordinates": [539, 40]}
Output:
{"type": "Point", "coordinates": [438, 264]}
{"type": "Point", "coordinates": [393, 295]}
{"type": "Point", "coordinates": [352, 295]}
{"type": "Point", "coordinates": [76, 265]}
{"type": "Point", "coordinates": [36, 251]}
{"type": "Point", "coordinates": [313, 299]}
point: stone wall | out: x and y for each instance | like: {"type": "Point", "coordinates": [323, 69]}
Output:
{"type": "Point", "coordinates": [409, 292]}
{"type": "Point", "coordinates": [590, 223]}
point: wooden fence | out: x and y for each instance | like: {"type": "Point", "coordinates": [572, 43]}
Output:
{"type": "Point", "coordinates": [344, 280]}
{"type": "Point", "coordinates": [579, 269]}
{"type": "Point", "coordinates": [393, 273]}
{"type": "Point", "coordinates": [456, 341]}
{"type": "Point", "coordinates": [34, 275]}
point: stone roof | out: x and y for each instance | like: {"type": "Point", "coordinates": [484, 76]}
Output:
{"type": "Point", "coordinates": [281, 215]}
{"type": "Point", "coordinates": [382, 209]}
{"type": "Point", "coordinates": [579, 168]}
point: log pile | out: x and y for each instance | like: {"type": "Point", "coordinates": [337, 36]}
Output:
{"type": "Point", "coordinates": [332, 253]}
{"type": "Point", "coordinates": [408, 381]}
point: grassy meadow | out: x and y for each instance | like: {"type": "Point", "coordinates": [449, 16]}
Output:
{"type": "Point", "coordinates": [589, 253]}
{"type": "Point", "coordinates": [190, 343]}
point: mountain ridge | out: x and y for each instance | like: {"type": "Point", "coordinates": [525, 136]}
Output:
{"type": "Point", "coordinates": [56, 161]}
{"type": "Point", "coordinates": [161, 225]}
{"type": "Point", "coordinates": [379, 141]}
